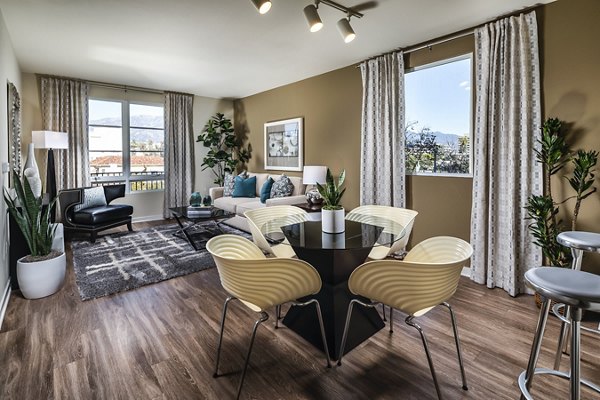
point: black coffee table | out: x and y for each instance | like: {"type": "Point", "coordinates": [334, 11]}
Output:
{"type": "Point", "coordinates": [198, 229]}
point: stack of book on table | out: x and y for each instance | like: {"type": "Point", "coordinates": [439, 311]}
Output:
{"type": "Point", "coordinates": [200, 211]}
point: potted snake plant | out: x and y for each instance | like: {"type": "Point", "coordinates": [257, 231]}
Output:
{"type": "Point", "coordinates": [332, 213]}
{"type": "Point", "coordinates": [42, 272]}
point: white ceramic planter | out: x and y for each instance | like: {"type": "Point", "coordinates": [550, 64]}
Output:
{"type": "Point", "coordinates": [333, 221]}
{"type": "Point", "coordinates": [42, 278]}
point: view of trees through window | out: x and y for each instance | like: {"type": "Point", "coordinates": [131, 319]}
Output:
{"type": "Point", "coordinates": [438, 118]}
{"type": "Point", "coordinates": [126, 142]}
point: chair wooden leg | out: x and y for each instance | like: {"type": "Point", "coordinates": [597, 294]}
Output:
{"type": "Point", "coordinates": [93, 236]}
{"type": "Point", "coordinates": [129, 227]}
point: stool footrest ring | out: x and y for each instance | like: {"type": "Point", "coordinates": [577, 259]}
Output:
{"type": "Point", "coordinates": [546, 371]}
{"type": "Point", "coordinates": [558, 311]}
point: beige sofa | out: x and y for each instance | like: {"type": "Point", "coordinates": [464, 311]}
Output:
{"type": "Point", "coordinates": [239, 205]}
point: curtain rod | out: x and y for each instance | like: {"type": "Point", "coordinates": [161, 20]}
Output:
{"type": "Point", "coordinates": [435, 42]}
{"type": "Point", "coordinates": [125, 87]}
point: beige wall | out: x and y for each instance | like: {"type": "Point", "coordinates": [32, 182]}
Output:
{"type": "Point", "coordinates": [147, 205]}
{"type": "Point", "coordinates": [569, 33]}
{"type": "Point", "coordinates": [9, 71]}
{"type": "Point", "coordinates": [330, 105]}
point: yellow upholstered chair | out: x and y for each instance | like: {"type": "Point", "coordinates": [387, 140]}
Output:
{"type": "Point", "coordinates": [261, 283]}
{"type": "Point", "coordinates": [428, 276]}
{"type": "Point", "coordinates": [284, 215]}
{"type": "Point", "coordinates": [378, 215]}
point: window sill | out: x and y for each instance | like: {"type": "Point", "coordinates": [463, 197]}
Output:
{"type": "Point", "coordinates": [441, 175]}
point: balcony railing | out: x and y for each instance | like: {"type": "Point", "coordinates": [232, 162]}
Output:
{"type": "Point", "coordinates": [138, 181]}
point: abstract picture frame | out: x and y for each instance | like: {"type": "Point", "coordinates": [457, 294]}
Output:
{"type": "Point", "coordinates": [284, 145]}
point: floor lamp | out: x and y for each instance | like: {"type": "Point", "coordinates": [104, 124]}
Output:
{"type": "Point", "coordinates": [50, 140]}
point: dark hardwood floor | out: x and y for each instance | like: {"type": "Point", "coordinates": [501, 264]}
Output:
{"type": "Point", "coordinates": [159, 341]}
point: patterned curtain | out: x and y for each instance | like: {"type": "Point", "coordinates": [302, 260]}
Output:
{"type": "Point", "coordinates": [179, 150]}
{"type": "Point", "coordinates": [507, 127]}
{"type": "Point", "coordinates": [382, 178]}
{"type": "Point", "coordinates": [65, 109]}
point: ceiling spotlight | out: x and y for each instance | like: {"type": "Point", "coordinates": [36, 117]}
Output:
{"type": "Point", "coordinates": [312, 17]}
{"type": "Point", "coordinates": [346, 30]}
{"type": "Point", "coordinates": [263, 6]}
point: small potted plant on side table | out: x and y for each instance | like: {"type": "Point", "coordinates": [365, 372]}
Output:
{"type": "Point", "coordinates": [332, 214]}
{"type": "Point", "coordinates": [42, 272]}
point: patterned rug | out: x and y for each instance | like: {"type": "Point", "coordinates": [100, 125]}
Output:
{"type": "Point", "coordinates": [128, 260]}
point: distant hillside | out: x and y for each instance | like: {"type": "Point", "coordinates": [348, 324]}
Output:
{"type": "Point", "coordinates": [138, 134]}
{"type": "Point", "coordinates": [441, 138]}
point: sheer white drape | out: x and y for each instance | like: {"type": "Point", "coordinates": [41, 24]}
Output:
{"type": "Point", "coordinates": [179, 150]}
{"type": "Point", "coordinates": [507, 127]}
{"type": "Point", "coordinates": [382, 177]}
{"type": "Point", "coordinates": [65, 109]}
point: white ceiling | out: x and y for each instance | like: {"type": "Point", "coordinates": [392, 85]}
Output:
{"type": "Point", "coordinates": [221, 48]}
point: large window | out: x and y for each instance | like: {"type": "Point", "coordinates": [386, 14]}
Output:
{"type": "Point", "coordinates": [438, 118]}
{"type": "Point", "coordinates": [126, 142]}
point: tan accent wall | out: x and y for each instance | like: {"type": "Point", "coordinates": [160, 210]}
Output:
{"type": "Point", "coordinates": [570, 55]}
{"type": "Point", "coordinates": [331, 107]}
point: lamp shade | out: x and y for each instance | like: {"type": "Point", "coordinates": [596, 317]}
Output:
{"type": "Point", "coordinates": [314, 174]}
{"type": "Point", "coordinates": [50, 139]}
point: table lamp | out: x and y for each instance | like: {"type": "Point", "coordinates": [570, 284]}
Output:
{"type": "Point", "coordinates": [312, 175]}
{"type": "Point", "coordinates": [50, 140]}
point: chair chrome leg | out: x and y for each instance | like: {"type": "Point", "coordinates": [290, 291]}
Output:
{"type": "Point", "coordinates": [263, 317]}
{"type": "Point", "coordinates": [457, 341]}
{"type": "Point", "coordinates": [391, 319]}
{"type": "Point", "coordinates": [346, 326]}
{"type": "Point", "coordinates": [536, 345]}
{"type": "Point", "coordinates": [216, 373]}
{"type": "Point", "coordinates": [383, 311]}
{"type": "Point", "coordinates": [575, 353]}
{"type": "Point", "coordinates": [322, 326]}
{"type": "Point", "coordinates": [409, 321]}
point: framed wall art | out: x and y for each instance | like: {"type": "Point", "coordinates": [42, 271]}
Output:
{"type": "Point", "coordinates": [284, 145]}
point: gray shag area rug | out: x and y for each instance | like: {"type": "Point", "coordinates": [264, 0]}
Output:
{"type": "Point", "coordinates": [128, 260]}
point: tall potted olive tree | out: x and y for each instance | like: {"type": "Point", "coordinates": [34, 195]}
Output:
{"type": "Point", "coordinates": [225, 150]}
{"type": "Point", "coordinates": [42, 272]}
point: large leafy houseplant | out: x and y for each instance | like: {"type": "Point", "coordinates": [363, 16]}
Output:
{"type": "Point", "coordinates": [332, 192]}
{"type": "Point", "coordinates": [32, 218]}
{"type": "Point", "coordinates": [225, 149]}
{"type": "Point", "coordinates": [543, 210]}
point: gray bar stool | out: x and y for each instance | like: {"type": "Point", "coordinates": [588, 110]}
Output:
{"type": "Point", "coordinates": [578, 242]}
{"type": "Point", "coordinates": [580, 291]}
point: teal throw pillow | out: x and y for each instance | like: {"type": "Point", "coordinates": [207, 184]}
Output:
{"type": "Point", "coordinates": [265, 191]}
{"type": "Point", "coordinates": [244, 187]}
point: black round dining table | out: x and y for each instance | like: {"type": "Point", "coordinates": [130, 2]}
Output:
{"type": "Point", "coordinates": [334, 256]}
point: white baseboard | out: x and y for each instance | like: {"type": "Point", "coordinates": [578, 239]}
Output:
{"type": "Point", "coordinates": [466, 271]}
{"type": "Point", "coordinates": [4, 302]}
{"type": "Point", "coordinates": [147, 218]}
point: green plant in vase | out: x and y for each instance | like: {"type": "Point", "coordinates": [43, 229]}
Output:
{"type": "Point", "coordinates": [331, 193]}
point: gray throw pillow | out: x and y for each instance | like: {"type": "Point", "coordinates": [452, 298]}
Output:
{"type": "Point", "coordinates": [283, 187]}
{"type": "Point", "coordinates": [92, 197]}
{"type": "Point", "coordinates": [229, 182]}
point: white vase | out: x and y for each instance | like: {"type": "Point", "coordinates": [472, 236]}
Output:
{"type": "Point", "coordinates": [41, 278]}
{"type": "Point", "coordinates": [332, 221]}
{"type": "Point", "coordinates": [35, 183]}
{"type": "Point", "coordinates": [31, 163]}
